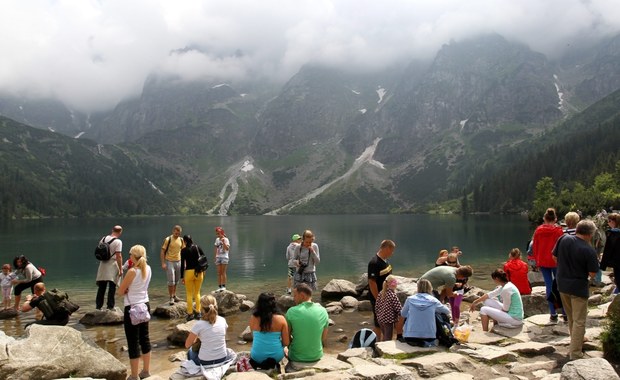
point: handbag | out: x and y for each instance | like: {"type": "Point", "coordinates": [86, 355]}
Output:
{"type": "Point", "coordinates": [138, 313]}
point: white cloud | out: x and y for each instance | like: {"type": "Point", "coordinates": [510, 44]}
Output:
{"type": "Point", "coordinates": [91, 54]}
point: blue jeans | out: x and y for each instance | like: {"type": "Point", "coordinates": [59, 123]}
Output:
{"type": "Point", "coordinates": [548, 275]}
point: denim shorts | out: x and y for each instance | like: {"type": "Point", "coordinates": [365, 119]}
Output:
{"type": "Point", "coordinates": [221, 260]}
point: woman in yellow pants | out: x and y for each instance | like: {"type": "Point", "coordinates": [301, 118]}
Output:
{"type": "Point", "coordinates": [189, 277]}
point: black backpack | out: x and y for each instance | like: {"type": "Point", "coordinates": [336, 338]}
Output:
{"type": "Point", "coordinates": [203, 262]}
{"type": "Point", "coordinates": [444, 331]}
{"type": "Point", "coordinates": [102, 252]}
{"type": "Point", "coordinates": [56, 303]}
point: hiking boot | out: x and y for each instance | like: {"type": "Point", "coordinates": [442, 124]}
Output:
{"type": "Point", "coordinates": [171, 302]}
{"type": "Point", "coordinates": [553, 318]}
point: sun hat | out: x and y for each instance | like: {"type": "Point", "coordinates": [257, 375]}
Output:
{"type": "Point", "coordinates": [295, 237]}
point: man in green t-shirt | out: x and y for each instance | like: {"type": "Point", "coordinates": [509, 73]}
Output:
{"type": "Point", "coordinates": [307, 324]}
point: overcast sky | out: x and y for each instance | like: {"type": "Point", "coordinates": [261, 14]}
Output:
{"type": "Point", "coordinates": [91, 54]}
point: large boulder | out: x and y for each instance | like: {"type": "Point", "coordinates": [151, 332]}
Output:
{"type": "Point", "coordinates": [406, 287]}
{"type": "Point", "coordinates": [175, 311]}
{"type": "Point", "coordinates": [8, 313]}
{"type": "Point", "coordinates": [227, 302]}
{"type": "Point", "coordinates": [180, 332]}
{"type": "Point", "coordinates": [53, 352]}
{"type": "Point", "coordinates": [592, 369]}
{"type": "Point", "coordinates": [103, 317]}
{"type": "Point", "coordinates": [362, 284]}
{"type": "Point", "coordinates": [534, 304]}
{"type": "Point", "coordinates": [285, 302]}
{"type": "Point", "coordinates": [338, 288]}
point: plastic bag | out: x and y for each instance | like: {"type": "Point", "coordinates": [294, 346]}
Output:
{"type": "Point", "coordinates": [462, 332]}
{"type": "Point", "coordinates": [139, 313]}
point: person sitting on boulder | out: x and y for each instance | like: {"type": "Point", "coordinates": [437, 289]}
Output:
{"type": "Point", "coordinates": [58, 318]}
{"type": "Point", "coordinates": [508, 312]}
{"type": "Point", "coordinates": [308, 322]}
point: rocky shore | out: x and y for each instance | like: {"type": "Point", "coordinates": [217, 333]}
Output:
{"type": "Point", "coordinates": [538, 350]}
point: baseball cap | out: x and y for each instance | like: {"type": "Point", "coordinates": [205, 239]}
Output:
{"type": "Point", "coordinates": [295, 237]}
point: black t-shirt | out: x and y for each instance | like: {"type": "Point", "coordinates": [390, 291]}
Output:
{"type": "Point", "coordinates": [378, 269]}
{"type": "Point", "coordinates": [189, 258]}
{"type": "Point", "coordinates": [576, 258]}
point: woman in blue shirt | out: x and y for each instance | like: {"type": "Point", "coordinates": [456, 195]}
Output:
{"type": "Point", "coordinates": [270, 333]}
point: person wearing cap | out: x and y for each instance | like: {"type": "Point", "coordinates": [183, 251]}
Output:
{"type": "Point", "coordinates": [290, 258]}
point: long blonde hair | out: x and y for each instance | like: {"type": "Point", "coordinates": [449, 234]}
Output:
{"type": "Point", "coordinates": [208, 305]}
{"type": "Point", "coordinates": [388, 279]}
{"type": "Point", "coordinates": [139, 253]}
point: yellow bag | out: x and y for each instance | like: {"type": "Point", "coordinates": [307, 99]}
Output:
{"type": "Point", "coordinates": [462, 332]}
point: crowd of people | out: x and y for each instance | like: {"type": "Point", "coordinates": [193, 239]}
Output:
{"type": "Point", "coordinates": [565, 257]}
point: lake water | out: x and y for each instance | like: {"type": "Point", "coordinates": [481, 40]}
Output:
{"type": "Point", "coordinates": [258, 243]}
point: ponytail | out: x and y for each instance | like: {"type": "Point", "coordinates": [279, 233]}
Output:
{"type": "Point", "coordinates": [208, 305]}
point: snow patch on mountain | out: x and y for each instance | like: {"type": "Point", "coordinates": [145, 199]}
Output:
{"type": "Point", "coordinates": [462, 123]}
{"type": "Point", "coordinates": [363, 110]}
{"type": "Point", "coordinates": [381, 92]}
{"type": "Point", "coordinates": [365, 157]}
{"type": "Point", "coordinates": [355, 92]}
{"type": "Point", "coordinates": [223, 205]}
{"type": "Point", "coordinates": [78, 135]}
{"type": "Point", "coordinates": [220, 85]}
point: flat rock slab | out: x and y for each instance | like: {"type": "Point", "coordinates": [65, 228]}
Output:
{"type": "Point", "coordinates": [439, 364]}
{"type": "Point", "coordinates": [373, 371]}
{"type": "Point", "coordinates": [525, 368]}
{"type": "Point", "coordinates": [398, 350]}
{"type": "Point", "coordinates": [455, 376]}
{"type": "Point", "coordinates": [361, 352]}
{"type": "Point", "coordinates": [488, 354]}
{"type": "Point", "coordinates": [531, 348]}
{"type": "Point", "coordinates": [326, 364]}
{"type": "Point", "coordinates": [540, 320]}
{"type": "Point", "coordinates": [484, 337]}
{"type": "Point", "coordinates": [249, 375]}
{"type": "Point", "coordinates": [308, 375]}
{"type": "Point", "coordinates": [591, 369]}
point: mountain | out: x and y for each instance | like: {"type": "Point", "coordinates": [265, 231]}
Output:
{"type": "Point", "coordinates": [48, 174]}
{"type": "Point", "coordinates": [326, 141]}
{"type": "Point", "coordinates": [577, 150]}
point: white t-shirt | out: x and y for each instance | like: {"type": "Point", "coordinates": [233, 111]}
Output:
{"type": "Point", "coordinates": [213, 338]}
{"type": "Point", "coordinates": [138, 291]}
{"type": "Point", "coordinates": [219, 244]}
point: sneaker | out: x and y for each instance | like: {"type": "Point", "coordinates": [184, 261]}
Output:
{"type": "Point", "coordinates": [223, 289]}
{"type": "Point", "coordinates": [144, 374]}
{"type": "Point", "coordinates": [171, 301]}
{"type": "Point", "coordinates": [189, 317]}
{"type": "Point", "coordinates": [288, 291]}
{"type": "Point", "coordinates": [217, 290]}
{"type": "Point", "coordinates": [553, 318]}
{"type": "Point", "coordinates": [176, 299]}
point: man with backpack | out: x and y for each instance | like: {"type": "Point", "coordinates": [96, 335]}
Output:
{"type": "Point", "coordinates": [54, 313]}
{"type": "Point", "coordinates": [170, 257]}
{"type": "Point", "coordinates": [110, 266]}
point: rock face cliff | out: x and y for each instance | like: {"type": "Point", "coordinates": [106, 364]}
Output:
{"type": "Point", "coordinates": [429, 125]}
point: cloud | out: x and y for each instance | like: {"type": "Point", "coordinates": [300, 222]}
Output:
{"type": "Point", "coordinates": [92, 54]}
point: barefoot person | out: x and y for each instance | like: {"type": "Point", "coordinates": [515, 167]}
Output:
{"type": "Point", "coordinates": [509, 311]}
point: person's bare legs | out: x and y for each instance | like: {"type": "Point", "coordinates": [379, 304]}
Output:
{"type": "Point", "coordinates": [485, 322]}
{"type": "Point", "coordinates": [146, 362]}
{"type": "Point", "coordinates": [133, 365]}
{"type": "Point", "coordinates": [17, 299]}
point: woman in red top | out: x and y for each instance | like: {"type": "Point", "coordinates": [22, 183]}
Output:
{"type": "Point", "coordinates": [516, 270]}
{"type": "Point", "coordinates": [545, 237]}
